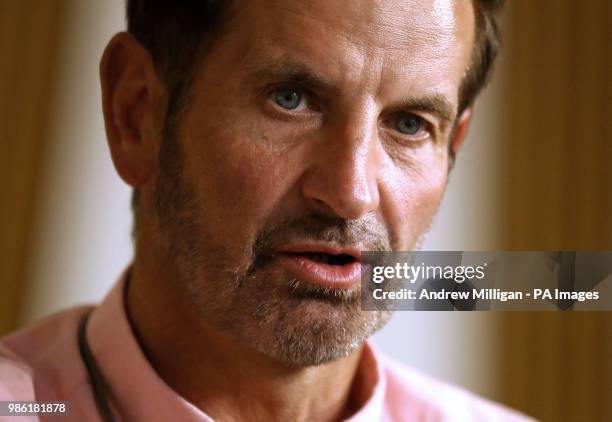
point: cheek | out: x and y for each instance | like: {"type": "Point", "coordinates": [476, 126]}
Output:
{"type": "Point", "coordinates": [237, 180]}
{"type": "Point", "coordinates": [413, 199]}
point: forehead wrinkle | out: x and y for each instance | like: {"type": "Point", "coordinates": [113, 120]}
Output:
{"type": "Point", "coordinates": [376, 17]}
{"type": "Point", "coordinates": [388, 24]}
{"type": "Point", "coordinates": [390, 28]}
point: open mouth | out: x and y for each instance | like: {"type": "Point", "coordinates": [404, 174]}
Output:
{"type": "Point", "coordinates": [326, 258]}
{"type": "Point", "coordinates": [324, 265]}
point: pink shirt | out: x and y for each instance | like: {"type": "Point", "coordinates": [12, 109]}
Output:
{"type": "Point", "coordinates": [42, 362]}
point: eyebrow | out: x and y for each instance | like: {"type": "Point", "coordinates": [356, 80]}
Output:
{"type": "Point", "coordinates": [436, 104]}
{"type": "Point", "coordinates": [291, 71]}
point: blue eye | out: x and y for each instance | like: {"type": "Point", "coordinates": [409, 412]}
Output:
{"type": "Point", "coordinates": [409, 124]}
{"type": "Point", "coordinates": [288, 98]}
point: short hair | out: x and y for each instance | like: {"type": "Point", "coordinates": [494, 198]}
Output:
{"type": "Point", "coordinates": [177, 33]}
{"type": "Point", "coordinates": [174, 32]}
{"type": "Point", "coordinates": [484, 53]}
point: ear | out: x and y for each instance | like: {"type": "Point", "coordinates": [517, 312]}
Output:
{"type": "Point", "coordinates": [461, 130]}
{"type": "Point", "coordinates": [132, 97]}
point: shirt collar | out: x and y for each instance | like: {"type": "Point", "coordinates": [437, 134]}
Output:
{"type": "Point", "coordinates": [138, 393]}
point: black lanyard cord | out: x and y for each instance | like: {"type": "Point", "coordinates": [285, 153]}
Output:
{"type": "Point", "coordinates": [98, 384]}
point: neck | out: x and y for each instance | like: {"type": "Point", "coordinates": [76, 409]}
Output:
{"type": "Point", "coordinates": [225, 379]}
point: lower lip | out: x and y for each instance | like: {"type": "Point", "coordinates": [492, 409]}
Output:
{"type": "Point", "coordinates": [335, 276]}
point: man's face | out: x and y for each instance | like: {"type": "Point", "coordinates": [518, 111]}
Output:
{"type": "Point", "coordinates": [313, 128]}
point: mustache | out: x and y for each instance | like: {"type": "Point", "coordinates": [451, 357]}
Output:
{"type": "Point", "coordinates": [369, 233]}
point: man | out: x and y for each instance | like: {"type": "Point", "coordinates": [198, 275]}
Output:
{"type": "Point", "coordinates": [268, 143]}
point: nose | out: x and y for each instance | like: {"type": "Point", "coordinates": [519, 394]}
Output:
{"type": "Point", "coordinates": [343, 178]}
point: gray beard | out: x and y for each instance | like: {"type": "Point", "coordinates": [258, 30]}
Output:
{"type": "Point", "coordinates": [292, 322]}
{"type": "Point", "coordinates": [295, 323]}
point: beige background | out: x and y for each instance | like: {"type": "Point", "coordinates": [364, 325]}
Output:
{"type": "Point", "coordinates": [536, 173]}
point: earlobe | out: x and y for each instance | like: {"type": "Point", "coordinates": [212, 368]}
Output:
{"type": "Point", "coordinates": [131, 94]}
{"type": "Point", "coordinates": [461, 130]}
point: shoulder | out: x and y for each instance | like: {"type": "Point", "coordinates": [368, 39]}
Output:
{"type": "Point", "coordinates": [41, 361]}
{"type": "Point", "coordinates": [412, 391]}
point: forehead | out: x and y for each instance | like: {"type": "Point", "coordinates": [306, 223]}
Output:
{"type": "Point", "coordinates": [380, 23]}
{"type": "Point", "coordinates": [421, 42]}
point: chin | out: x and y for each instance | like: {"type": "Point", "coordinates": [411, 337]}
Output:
{"type": "Point", "coordinates": [315, 332]}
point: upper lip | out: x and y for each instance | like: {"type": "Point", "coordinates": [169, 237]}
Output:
{"type": "Point", "coordinates": [297, 248]}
